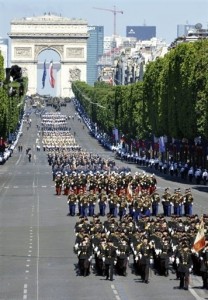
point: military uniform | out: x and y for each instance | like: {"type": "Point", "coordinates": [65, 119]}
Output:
{"type": "Point", "coordinates": [166, 202]}
{"type": "Point", "coordinates": [84, 258]}
{"type": "Point", "coordinates": [188, 202]}
{"type": "Point", "coordinates": [92, 199]}
{"type": "Point", "coordinates": [146, 253]}
{"type": "Point", "coordinates": [204, 266]}
{"type": "Point", "coordinates": [122, 206]}
{"type": "Point", "coordinates": [110, 260]}
{"type": "Point", "coordinates": [155, 199]}
{"type": "Point", "coordinates": [58, 184]}
{"type": "Point", "coordinates": [123, 253]}
{"type": "Point", "coordinates": [177, 199]}
{"type": "Point", "coordinates": [102, 202]}
{"type": "Point", "coordinates": [184, 261]}
{"type": "Point", "coordinates": [72, 200]}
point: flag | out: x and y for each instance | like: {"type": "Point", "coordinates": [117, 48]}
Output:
{"type": "Point", "coordinates": [51, 77]}
{"type": "Point", "coordinates": [44, 75]}
{"type": "Point", "coordinates": [129, 191]}
{"type": "Point", "coordinates": [161, 144]}
{"type": "Point", "coordinates": [199, 242]}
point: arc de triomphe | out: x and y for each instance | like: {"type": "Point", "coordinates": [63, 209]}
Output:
{"type": "Point", "coordinates": [68, 37]}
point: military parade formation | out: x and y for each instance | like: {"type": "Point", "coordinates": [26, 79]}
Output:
{"type": "Point", "coordinates": [124, 224]}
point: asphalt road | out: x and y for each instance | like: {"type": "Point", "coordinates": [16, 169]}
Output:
{"type": "Point", "coordinates": [37, 237]}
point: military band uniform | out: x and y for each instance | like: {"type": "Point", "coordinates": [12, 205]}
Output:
{"type": "Point", "coordinates": [72, 201]}
{"type": "Point", "coordinates": [188, 202]}
{"type": "Point", "coordinates": [166, 202]}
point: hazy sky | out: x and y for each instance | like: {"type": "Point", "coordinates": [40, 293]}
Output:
{"type": "Point", "coordinates": [164, 14]}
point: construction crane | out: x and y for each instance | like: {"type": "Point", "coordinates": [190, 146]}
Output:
{"type": "Point", "coordinates": [114, 11]}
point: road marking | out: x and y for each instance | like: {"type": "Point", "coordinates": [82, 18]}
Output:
{"type": "Point", "coordinates": [115, 292]}
{"type": "Point", "coordinates": [197, 297]}
{"type": "Point", "coordinates": [38, 244]}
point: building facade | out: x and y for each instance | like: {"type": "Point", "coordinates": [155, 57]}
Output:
{"type": "Point", "coordinates": [142, 33]}
{"type": "Point", "coordinates": [4, 48]}
{"type": "Point", "coordinates": [183, 30]}
{"type": "Point", "coordinates": [95, 46]}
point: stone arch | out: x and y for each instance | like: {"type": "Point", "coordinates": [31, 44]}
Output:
{"type": "Point", "coordinates": [68, 37]}
{"type": "Point", "coordinates": [57, 48]}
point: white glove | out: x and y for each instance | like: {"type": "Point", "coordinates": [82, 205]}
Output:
{"type": "Point", "coordinates": [140, 255]}
{"type": "Point", "coordinates": [103, 259]}
{"type": "Point", "coordinates": [118, 252]}
{"type": "Point", "coordinates": [90, 258]}
{"type": "Point", "coordinates": [177, 260]}
{"type": "Point", "coordinates": [135, 253]}
{"type": "Point", "coordinates": [201, 258]}
{"type": "Point", "coordinates": [151, 261]}
{"type": "Point", "coordinates": [96, 249]}
{"type": "Point", "coordinates": [171, 259]}
{"type": "Point", "coordinates": [190, 270]}
{"type": "Point", "coordinates": [115, 262]}
{"type": "Point", "coordinates": [136, 258]}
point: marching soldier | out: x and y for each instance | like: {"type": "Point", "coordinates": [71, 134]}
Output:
{"type": "Point", "coordinates": [184, 262]}
{"type": "Point", "coordinates": [72, 200]}
{"type": "Point", "coordinates": [102, 202]}
{"type": "Point", "coordinates": [113, 201]}
{"type": "Point", "coordinates": [84, 203]}
{"type": "Point", "coordinates": [99, 256]}
{"type": "Point", "coordinates": [58, 184]}
{"type": "Point", "coordinates": [188, 202]}
{"type": "Point", "coordinates": [109, 260]}
{"type": "Point", "coordinates": [122, 206]}
{"type": "Point", "coordinates": [92, 199]}
{"type": "Point", "coordinates": [166, 202]}
{"type": "Point", "coordinates": [164, 256]}
{"type": "Point", "coordinates": [155, 199]}
{"type": "Point", "coordinates": [66, 184]}
{"type": "Point", "coordinates": [84, 258]}
{"type": "Point", "coordinates": [123, 253]}
{"type": "Point", "coordinates": [204, 266]}
{"type": "Point", "coordinates": [146, 258]}
{"type": "Point", "coordinates": [177, 199]}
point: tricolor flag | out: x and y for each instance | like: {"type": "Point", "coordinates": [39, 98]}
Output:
{"type": "Point", "coordinates": [199, 242]}
{"type": "Point", "coordinates": [51, 77]}
{"type": "Point", "coordinates": [129, 191]}
{"type": "Point", "coordinates": [44, 75]}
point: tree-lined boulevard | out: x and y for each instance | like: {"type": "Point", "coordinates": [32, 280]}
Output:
{"type": "Point", "coordinates": [37, 237]}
